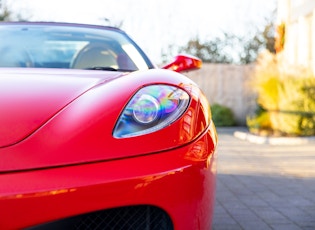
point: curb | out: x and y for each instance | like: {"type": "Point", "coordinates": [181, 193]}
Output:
{"type": "Point", "coordinates": [274, 140]}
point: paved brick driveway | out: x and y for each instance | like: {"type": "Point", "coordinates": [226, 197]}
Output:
{"type": "Point", "coordinates": [260, 186]}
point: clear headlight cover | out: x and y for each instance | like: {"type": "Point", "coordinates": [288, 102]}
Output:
{"type": "Point", "coordinates": [150, 109]}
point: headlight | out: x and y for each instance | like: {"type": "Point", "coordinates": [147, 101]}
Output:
{"type": "Point", "coordinates": [150, 109]}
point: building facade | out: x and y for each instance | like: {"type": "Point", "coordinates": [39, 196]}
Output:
{"type": "Point", "coordinates": [298, 19]}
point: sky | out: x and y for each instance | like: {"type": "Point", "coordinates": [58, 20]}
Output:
{"type": "Point", "coordinates": [154, 24]}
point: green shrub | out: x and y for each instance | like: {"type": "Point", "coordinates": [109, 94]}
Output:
{"type": "Point", "coordinates": [222, 115]}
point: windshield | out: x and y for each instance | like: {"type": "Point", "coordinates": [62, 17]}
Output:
{"type": "Point", "coordinates": [73, 47]}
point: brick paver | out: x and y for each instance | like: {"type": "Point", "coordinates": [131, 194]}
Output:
{"type": "Point", "coordinates": [261, 186]}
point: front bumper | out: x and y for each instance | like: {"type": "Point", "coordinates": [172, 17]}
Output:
{"type": "Point", "coordinates": [180, 181]}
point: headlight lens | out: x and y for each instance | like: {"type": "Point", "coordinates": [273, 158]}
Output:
{"type": "Point", "coordinates": [150, 109]}
{"type": "Point", "coordinates": [146, 109]}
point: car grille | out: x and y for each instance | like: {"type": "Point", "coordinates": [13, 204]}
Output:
{"type": "Point", "coordinates": [131, 218]}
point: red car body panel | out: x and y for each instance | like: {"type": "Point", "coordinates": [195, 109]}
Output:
{"type": "Point", "coordinates": [60, 159]}
{"type": "Point", "coordinates": [64, 141]}
{"type": "Point", "coordinates": [39, 98]}
{"type": "Point", "coordinates": [173, 180]}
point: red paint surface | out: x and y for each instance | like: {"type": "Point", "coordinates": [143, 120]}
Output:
{"type": "Point", "coordinates": [181, 181]}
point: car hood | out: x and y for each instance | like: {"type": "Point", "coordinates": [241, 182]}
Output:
{"type": "Point", "coordinates": [30, 97]}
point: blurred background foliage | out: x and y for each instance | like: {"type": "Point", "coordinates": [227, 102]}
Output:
{"type": "Point", "coordinates": [7, 14]}
{"type": "Point", "coordinates": [222, 115]}
{"type": "Point", "coordinates": [285, 98]}
{"type": "Point", "coordinates": [230, 48]}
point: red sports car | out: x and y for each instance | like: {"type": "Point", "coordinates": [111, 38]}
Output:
{"type": "Point", "coordinates": [95, 136]}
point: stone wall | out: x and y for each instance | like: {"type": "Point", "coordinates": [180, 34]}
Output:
{"type": "Point", "coordinates": [227, 85]}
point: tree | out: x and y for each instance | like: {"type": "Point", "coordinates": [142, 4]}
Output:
{"type": "Point", "coordinates": [214, 51]}
{"type": "Point", "coordinates": [231, 48]}
{"type": "Point", "coordinates": [5, 13]}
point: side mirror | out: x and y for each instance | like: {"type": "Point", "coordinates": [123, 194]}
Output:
{"type": "Point", "coordinates": [184, 63]}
